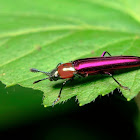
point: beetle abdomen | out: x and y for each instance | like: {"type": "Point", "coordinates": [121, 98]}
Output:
{"type": "Point", "coordinates": [103, 64]}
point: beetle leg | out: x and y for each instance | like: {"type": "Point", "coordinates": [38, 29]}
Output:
{"type": "Point", "coordinates": [105, 52]}
{"type": "Point", "coordinates": [59, 95]}
{"type": "Point", "coordinates": [59, 64]}
{"type": "Point", "coordinates": [78, 75]}
{"type": "Point", "coordinates": [117, 81]}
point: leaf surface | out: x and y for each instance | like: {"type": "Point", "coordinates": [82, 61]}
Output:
{"type": "Point", "coordinates": [41, 34]}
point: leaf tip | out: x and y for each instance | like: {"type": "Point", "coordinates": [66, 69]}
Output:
{"type": "Point", "coordinates": [128, 99]}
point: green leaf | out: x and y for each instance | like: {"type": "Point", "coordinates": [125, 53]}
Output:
{"type": "Point", "coordinates": [41, 34]}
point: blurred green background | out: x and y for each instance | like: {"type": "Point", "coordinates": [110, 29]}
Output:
{"type": "Point", "coordinates": [109, 117]}
{"type": "Point", "coordinates": [97, 23]}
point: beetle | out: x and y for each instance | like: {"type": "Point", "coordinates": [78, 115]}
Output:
{"type": "Point", "coordinates": [89, 66]}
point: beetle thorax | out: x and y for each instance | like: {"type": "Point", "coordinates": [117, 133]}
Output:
{"type": "Point", "coordinates": [66, 70]}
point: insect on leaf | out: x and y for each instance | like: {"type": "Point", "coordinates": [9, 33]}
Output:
{"type": "Point", "coordinates": [41, 34]}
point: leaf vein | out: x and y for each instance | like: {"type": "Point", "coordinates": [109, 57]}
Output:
{"type": "Point", "coordinates": [122, 10]}
{"type": "Point", "coordinates": [68, 27]}
{"type": "Point", "coordinates": [32, 51]}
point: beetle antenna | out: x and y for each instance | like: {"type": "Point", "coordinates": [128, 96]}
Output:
{"type": "Point", "coordinates": [36, 70]}
{"type": "Point", "coordinates": [39, 80]}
